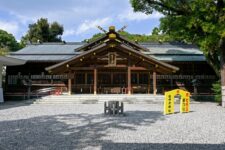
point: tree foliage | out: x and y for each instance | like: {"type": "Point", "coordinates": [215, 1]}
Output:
{"type": "Point", "coordinates": [216, 87]}
{"type": "Point", "coordinates": [138, 37]}
{"type": "Point", "coordinates": [44, 31]}
{"type": "Point", "coordinates": [201, 22]}
{"type": "Point", "coordinates": [7, 42]}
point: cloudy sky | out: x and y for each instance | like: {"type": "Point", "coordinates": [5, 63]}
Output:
{"type": "Point", "coordinates": [79, 17]}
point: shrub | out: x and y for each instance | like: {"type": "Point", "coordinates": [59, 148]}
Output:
{"type": "Point", "coordinates": [217, 90]}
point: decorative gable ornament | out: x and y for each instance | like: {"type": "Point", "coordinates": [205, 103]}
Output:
{"type": "Point", "coordinates": [112, 59]}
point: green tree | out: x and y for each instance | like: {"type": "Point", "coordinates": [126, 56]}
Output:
{"type": "Point", "coordinates": [43, 31]}
{"type": "Point", "coordinates": [196, 21]}
{"type": "Point", "coordinates": [155, 31]}
{"type": "Point", "coordinates": [7, 42]}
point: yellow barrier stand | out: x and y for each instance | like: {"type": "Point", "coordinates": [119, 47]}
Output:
{"type": "Point", "coordinates": [169, 101]}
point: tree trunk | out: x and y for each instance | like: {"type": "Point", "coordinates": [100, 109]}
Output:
{"type": "Point", "coordinates": [222, 71]}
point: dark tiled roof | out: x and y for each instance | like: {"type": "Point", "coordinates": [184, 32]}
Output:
{"type": "Point", "coordinates": [63, 51]}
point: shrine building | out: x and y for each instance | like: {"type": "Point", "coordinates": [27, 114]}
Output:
{"type": "Point", "coordinates": [111, 64]}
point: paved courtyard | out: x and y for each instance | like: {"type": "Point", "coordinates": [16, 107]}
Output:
{"type": "Point", "coordinates": [63, 126]}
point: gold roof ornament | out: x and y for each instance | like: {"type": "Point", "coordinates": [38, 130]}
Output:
{"type": "Point", "coordinates": [112, 36]}
{"type": "Point", "coordinates": [112, 29]}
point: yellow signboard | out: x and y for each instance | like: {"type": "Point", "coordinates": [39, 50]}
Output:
{"type": "Point", "coordinates": [185, 102]}
{"type": "Point", "coordinates": [169, 101]}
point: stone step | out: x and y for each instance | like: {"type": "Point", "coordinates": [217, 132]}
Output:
{"type": "Point", "coordinates": [103, 97]}
{"type": "Point", "coordinates": [94, 99]}
{"type": "Point", "coordinates": [95, 102]}
{"type": "Point", "coordinates": [133, 99]}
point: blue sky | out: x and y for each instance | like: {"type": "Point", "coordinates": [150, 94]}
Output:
{"type": "Point", "coordinates": [79, 17]}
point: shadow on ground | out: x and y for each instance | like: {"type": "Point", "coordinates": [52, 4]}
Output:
{"type": "Point", "coordinates": [71, 131]}
{"type": "Point", "coordinates": [13, 104]}
{"type": "Point", "coordinates": [161, 146]}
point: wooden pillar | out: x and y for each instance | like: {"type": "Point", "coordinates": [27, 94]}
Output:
{"type": "Point", "coordinates": [149, 83]}
{"type": "Point", "coordinates": [154, 83]}
{"type": "Point", "coordinates": [74, 83]}
{"type": "Point", "coordinates": [138, 78]}
{"type": "Point", "coordinates": [52, 81]}
{"type": "Point", "coordinates": [85, 77]}
{"type": "Point", "coordinates": [95, 81]}
{"type": "Point", "coordinates": [129, 80]}
{"type": "Point", "coordinates": [29, 83]}
{"type": "Point", "coordinates": [69, 86]}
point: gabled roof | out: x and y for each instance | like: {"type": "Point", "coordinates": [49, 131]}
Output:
{"type": "Point", "coordinates": [105, 38]}
{"type": "Point", "coordinates": [113, 41]}
{"type": "Point", "coordinates": [64, 63]}
{"type": "Point", "coordinates": [58, 52]}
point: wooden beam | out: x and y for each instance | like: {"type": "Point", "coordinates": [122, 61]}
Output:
{"type": "Point", "coordinates": [82, 68]}
{"type": "Point", "coordinates": [95, 81]}
{"type": "Point", "coordinates": [154, 83]}
{"type": "Point", "coordinates": [109, 66]}
{"type": "Point", "coordinates": [138, 62]}
{"type": "Point", "coordinates": [138, 68]}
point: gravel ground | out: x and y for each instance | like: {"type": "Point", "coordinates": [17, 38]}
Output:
{"type": "Point", "coordinates": [42, 126]}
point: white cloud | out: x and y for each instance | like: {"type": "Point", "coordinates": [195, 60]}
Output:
{"type": "Point", "coordinates": [92, 24]}
{"type": "Point", "coordinates": [11, 27]}
{"type": "Point", "coordinates": [130, 15]}
{"type": "Point", "coordinates": [79, 18]}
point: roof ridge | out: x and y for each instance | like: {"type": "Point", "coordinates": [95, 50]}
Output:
{"type": "Point", "coordinates": [57, 43]}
